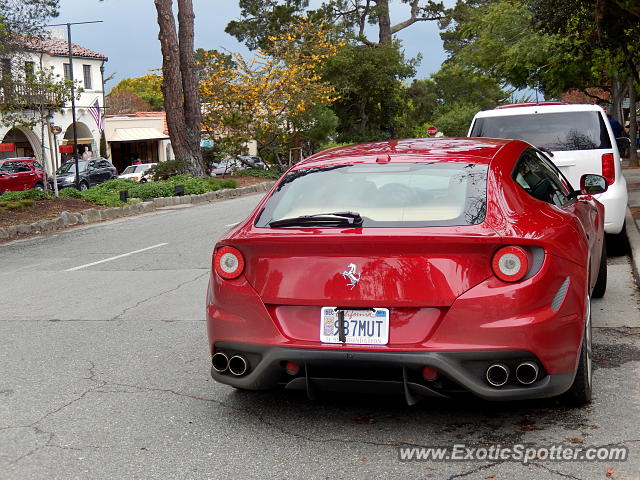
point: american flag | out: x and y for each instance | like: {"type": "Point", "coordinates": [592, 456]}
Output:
{"type": "Point", "coordinates": [95, 112]}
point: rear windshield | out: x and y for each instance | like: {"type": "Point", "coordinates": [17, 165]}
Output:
{"type": "Point", "coordinates": [553, 131]}
{"type": "Point", "coordinates": [385, 195]}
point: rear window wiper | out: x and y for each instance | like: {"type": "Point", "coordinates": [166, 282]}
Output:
{"type": "Point", "coordinates": [332, 218]}
{"type": "Point", "coordinates": [545, 150]}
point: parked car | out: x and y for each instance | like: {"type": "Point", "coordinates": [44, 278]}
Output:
{"type": "Point", "coordinates": [231, 165]}
{"type": "Point", "coordinates": [427, 267]}
{"type": "Point", "coordinates": [137, 172]}
{"type": "Point", "coordinates": [92, 172]}
{"type": "Point", "coordinates": [21, 173]}
{"type": "Point", "coordinates": [579, 140]}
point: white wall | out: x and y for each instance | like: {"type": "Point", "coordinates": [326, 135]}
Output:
{"type": "Point", "coordinates": [64, 118]}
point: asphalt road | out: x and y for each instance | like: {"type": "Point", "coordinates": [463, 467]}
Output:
{"type": "Point", "coordinates": [104, 374]}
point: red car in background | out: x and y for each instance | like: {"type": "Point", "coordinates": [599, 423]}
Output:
{"type": "Point", "coordinates": [21, 173]}
{"type": "Point", "coordinates": [426, 267]}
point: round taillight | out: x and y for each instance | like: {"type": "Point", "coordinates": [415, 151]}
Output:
{"type": "Point", "coordinates": [510, 264]}
{"type": "Point", "coordinates": [228, 262]}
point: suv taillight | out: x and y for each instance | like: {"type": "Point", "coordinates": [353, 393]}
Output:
{"type": "Point", "coordinates": [608, 168]}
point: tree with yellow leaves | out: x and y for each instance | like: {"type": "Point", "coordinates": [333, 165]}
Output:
{"type": "Point", "coordinates": [269, 97]}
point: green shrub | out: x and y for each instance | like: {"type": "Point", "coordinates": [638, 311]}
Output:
{"type": "Point", "coordinates": [101, 197]}
{"type": "Point", "coordinates": [227, 183]}
{"type": "Point", "coordinates": [164, 170]}
{"type": "Point", "coordinates": [152, 190]}
{"type": "Point", "coordinates": [69, 193]}
{"type": "Point", "coordinates": [13, 206]}
{"type": "Point", "coordinates": [115, 185]}
{"type": "Point", "coordinates": [218, 184]}
{"type": "Point", "coordinates": [26, 194]}
{"type": "Point", "coordinates": [257, 172]}
{"type": "Point", "coordinates": [192, 185]}
{"type": "Point", "coordinates": [27, 202]}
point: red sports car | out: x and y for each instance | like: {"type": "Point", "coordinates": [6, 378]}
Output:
{"type": "Point", "coordinates": [427, 267]}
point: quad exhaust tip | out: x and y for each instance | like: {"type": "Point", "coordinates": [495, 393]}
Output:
{"type": "Point", "coordinates": [238, 365]}
{"type": "Point", "coordinates": [497, 374]}
{"type": "Point", "coordinates": [527, 373]}
{"type": "Point", "coordinates": [220, 362]}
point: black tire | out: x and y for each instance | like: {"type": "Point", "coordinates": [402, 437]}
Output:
{"type": "Point", "coordinates": [143, 180]}
{"type": "Point", "coordinates": [601, 283]}
{"type": "Point", "coordinates": [83, 186]}
{"type": "Point", "coordinates": [38, 186]}
{"type": "Point", "coordinates": [581, 390]}
{"type": "Point", "coordinates": [617, 244]}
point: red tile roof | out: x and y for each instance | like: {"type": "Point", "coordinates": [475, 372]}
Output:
{"type": "Point", "coordinates": [58, 46]}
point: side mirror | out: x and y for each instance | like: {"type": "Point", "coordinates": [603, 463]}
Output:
{"type": "Point", "coordinates": [591, 184]}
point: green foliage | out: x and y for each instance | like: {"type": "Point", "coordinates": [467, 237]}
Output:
{"type": "Point", "coordinates": [333, 144]}
{"type": "Point", "coordinates": [103, 146]}
{"type": "Point", "coordinates": [192, 185]}
{"type": "Point", "coordinates": [258, 172]}
{"type": "Point", "coordinates": [26, 194]}
{"type": "Point", "coordinates": [152, 190]}
{"type": "Point", "coordinates": [499, 39]}
{"type": "Point", "coordinates": [147, 87]}
{"type": "Point", "coordinates": [13, 206]}
{"type": "Point", "coordinates": [219, 184]}
{"type": "Point", "coordinates": [115, 185]}
{"type": "Point", "coordinates": [369, 79]}
{"type": "Point", "coordinates": [101, 197]}
{"type": "Point", "coordinates": [170, 168]}
{"type": "Point", "coordinates": [69, 193]}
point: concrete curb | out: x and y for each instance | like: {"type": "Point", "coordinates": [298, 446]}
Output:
{"type": "Point", "coordinates": [633, 235]}
{"type": "Point", "coordinates": [93, 215]}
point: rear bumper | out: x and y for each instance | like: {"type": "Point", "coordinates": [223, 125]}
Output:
{"type": "Point", "coordinates": [386, 372]}
{"type": "Point", "coordinates": [615, 205]}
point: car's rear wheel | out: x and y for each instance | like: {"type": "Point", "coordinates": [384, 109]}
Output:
{"type": "Point", "coordinates": [83, 186]}
{"type": "Point", "coordinates": [601, 283]}
{"type": "Point", "coordinates": [38, 186]}
{"type": "Point", "coordinates": [581, 390]}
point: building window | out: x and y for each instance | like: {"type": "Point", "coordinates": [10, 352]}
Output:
{"type": "Point", "coordinates": [29, 69]}
{"type": "Point", "coordinates": [67, 71]}
{"type": "Point", "coordinates": [86, 70]}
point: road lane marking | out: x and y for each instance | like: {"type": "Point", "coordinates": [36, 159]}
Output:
{"type": "Point", "coordinates": [114, 258]}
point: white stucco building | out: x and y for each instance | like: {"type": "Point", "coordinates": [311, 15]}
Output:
{"type": "Point", "coordinates": [88, 70]}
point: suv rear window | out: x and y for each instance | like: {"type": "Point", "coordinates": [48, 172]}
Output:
{"type": "Point", "coordinates": [553, 131]}
{"type": "Point", "coordinates": [385, 195]}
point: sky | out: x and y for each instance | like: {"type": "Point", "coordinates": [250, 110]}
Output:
{"type": "Point", "coordinates": [129, 33]}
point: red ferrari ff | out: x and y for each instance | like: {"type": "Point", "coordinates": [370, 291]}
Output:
{"type": "Point", "coordinates": [426, 267]}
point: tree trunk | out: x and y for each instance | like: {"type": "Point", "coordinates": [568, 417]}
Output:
{"type": "Point", "coordinates": [633, 124]}
{"type": "Point", "coordinates": [192, 113]}
{"type": "Point", "coordinates": [183, 118]}
{"type": "Point", "coordinates": [384, 21]}
{"type": "Point", "coordinates": [617, 93]}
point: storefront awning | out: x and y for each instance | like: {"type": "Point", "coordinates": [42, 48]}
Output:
{"type": "Point", "coordinates": [136, 134]}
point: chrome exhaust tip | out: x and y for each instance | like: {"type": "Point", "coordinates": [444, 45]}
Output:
{"type": "Point", "coordinates": [497, 374]}
{"type": "Point", "coordinates": [238, 365]}
{"type": "Point", "coordinates": [527, 373]}
{"type": "Point", "coordinates": [220, 362]}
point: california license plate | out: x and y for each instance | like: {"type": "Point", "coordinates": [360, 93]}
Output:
{"type": "Point", "coordinates": [360, 327]}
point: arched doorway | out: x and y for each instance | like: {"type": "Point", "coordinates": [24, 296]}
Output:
{"type": "Point", "coordinates": [85, 140]}
{"type": "Point", "coordinates": [26, 144]}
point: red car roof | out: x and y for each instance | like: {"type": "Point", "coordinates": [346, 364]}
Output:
{"type": "Point", "coordinates": [469, 150]}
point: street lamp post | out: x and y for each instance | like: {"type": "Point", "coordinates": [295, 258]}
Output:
{"type": "Point", "coordinates": [73, 91]}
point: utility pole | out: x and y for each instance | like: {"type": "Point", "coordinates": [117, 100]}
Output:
{"type": "Point", "coordinates": [73, 91]}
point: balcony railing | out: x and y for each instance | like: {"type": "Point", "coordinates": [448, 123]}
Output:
{"type": "Point", "coordinates": [30, 96]}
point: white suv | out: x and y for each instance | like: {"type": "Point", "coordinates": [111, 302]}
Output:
{"type": "Point", "coordinates": [578, 139]}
